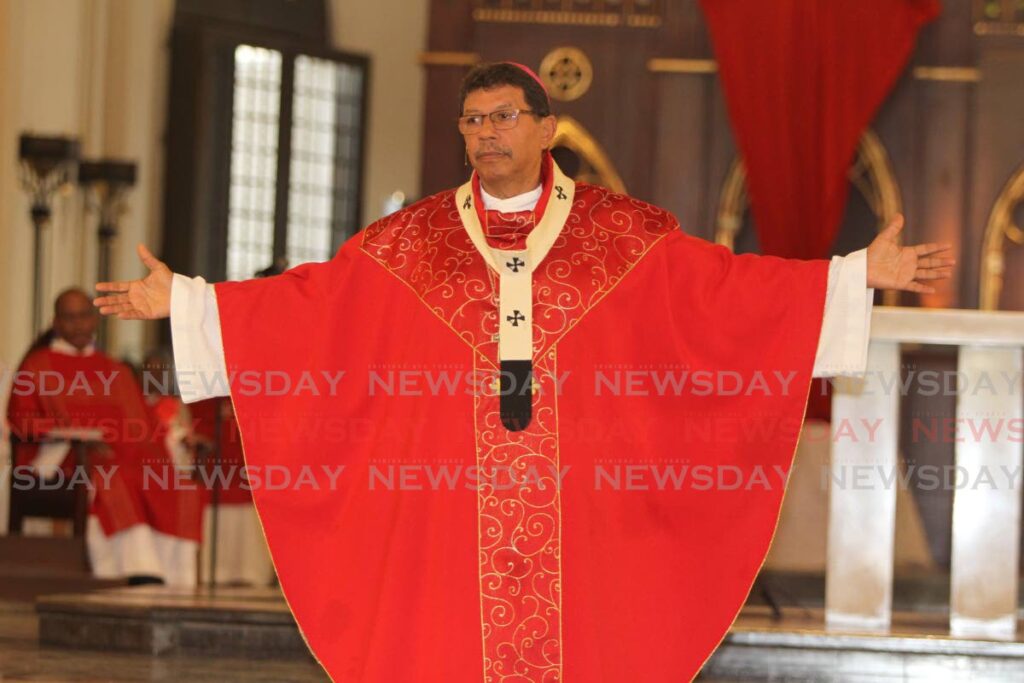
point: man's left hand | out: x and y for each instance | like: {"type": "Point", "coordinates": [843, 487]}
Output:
{"type": "Point", "coordinates": [891, 266]}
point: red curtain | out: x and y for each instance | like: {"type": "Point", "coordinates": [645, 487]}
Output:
{"type": "Point", "coordinates": [802, 80]}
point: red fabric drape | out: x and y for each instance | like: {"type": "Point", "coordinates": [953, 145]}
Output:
{"type": "Point", "coordinates": [802, 80]}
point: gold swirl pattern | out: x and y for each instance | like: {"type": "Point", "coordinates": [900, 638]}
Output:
{"type": "Point", "coordinates": [518, 500]}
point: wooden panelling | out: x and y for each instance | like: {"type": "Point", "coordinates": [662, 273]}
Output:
{"type": "Point", "coordinates": [680, 158]}
{"type": "Point", "coordinates": [951, 125]}
{"type": "Point", "coordinates": [998, 147]}
{"type": "Point", "coordinates": [944, 110]}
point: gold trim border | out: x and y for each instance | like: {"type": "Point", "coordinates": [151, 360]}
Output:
{"type": "Point", "coordinates": [952, 74]}
{"type": "Point", "coordinates": [524, 16]}
{"type": "Point", "coordinates": [995, 28]}
{"type": "Point", "coordinates": [450, 58]}
{"type": "Point", "coordinates": [679, 65]}
{"type": "Point", "coordinates": [673, 65]}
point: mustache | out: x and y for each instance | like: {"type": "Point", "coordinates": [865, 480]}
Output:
{"type": "Point", "coordinates": [492, 150]}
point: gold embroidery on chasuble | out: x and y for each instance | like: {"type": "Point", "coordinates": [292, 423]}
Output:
{"type": "Point", "coordinates": [518, 499]}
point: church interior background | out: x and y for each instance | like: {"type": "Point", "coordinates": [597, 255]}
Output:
{"type": "Point", "coordinates": [240, 137]}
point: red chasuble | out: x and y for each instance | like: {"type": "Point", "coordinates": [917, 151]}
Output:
{"type": "Point", "coordinates": [56, 390]}
{"type": "Point", "coordinates": [615, 536]}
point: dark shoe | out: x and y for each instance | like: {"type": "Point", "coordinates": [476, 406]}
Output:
{"type": "Point", "coordinates": [145, 580]}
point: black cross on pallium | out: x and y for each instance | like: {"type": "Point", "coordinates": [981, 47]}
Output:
{"type": "Point", "coordinates": [468, 203]}
{"type": "Point", "coordinates": [561, 192]}
{"type": "Point", "coordinates": [514, 266]}
{"type": "Point", "coordinates": [515, 318]}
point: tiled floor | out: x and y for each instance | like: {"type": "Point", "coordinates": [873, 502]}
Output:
{"type": "Point", "coordinates": [21, 659]}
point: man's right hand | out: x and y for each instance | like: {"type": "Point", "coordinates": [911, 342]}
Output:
{"type": "Point", "coordinates": [145, 299]}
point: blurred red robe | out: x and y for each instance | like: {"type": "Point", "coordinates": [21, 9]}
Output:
{"type": "Point", "coordinates": [58, 390]}
{"type": "Point", "coordinates": [228, 474]}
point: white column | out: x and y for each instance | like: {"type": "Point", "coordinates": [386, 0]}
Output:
{"type": "Point", "coordinates": [862, 502]}
{"type": "Point", "coordinates": [987, 500]}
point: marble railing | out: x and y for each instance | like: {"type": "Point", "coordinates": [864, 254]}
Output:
{"type": "Point", "coordinates": [985, 552]}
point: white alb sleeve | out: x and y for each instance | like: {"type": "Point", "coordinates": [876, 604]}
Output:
{"type": "Point", "coordinates": [846, 327]}
{"type": "Point", "coordinates": [195, 334]}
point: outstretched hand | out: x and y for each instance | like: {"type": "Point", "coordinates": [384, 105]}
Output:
{"type": "Point", "coordinates": [891, 266]}
{"type": "Point", "coordinates": [145, 299]}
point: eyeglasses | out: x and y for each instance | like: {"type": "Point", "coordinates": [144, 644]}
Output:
{"type": "Point", "coordinates": [501, 119]}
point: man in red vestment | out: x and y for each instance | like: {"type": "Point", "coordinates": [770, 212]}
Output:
{"type": "Point", "coordinates": [564, 424]}
{"type": "Point", "coordinates": [145, 528]}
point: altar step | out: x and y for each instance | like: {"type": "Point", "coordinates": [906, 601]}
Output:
{"type": "Point", "coordinates": [159, 620]}
{"type": "Point", "coordinates": [918, 649]}
{"type": "Point", "coordinates": [256, 624]}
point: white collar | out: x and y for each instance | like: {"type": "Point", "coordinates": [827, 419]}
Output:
{"type": "Point", "coordinates": [66, 348]}
{"type": "Point", "coordinates": [521, 202]}
{"type": "Point", "coordinates": [541, 238]}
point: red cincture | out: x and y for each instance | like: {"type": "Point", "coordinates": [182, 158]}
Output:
{"type": "Point", "coordinates": [520, 524]}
